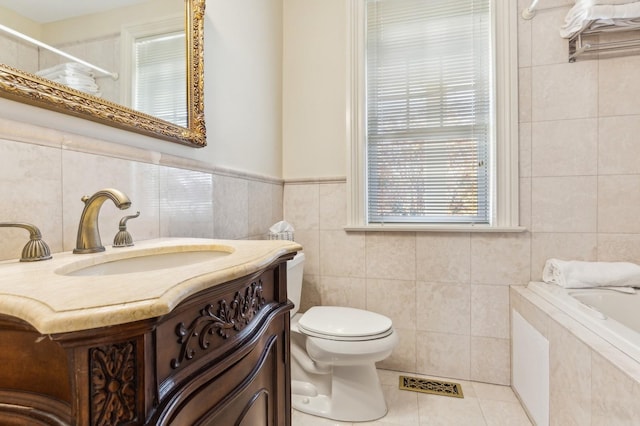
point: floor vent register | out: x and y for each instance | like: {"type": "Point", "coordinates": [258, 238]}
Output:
{"type": "Point", "coordinates": [435, 387]}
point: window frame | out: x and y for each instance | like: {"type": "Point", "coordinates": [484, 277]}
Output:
{"type": "Point", "coordinates": [505, 200]}
{"type": "Point", "coordinates": [128, 36]}
{"type": "Point", "coordinates": [167, 76]}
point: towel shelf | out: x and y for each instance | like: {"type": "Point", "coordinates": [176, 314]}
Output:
{"type": "Point", "coordinates": [587, 41]}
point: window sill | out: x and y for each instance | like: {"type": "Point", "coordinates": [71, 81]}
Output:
{"type": "Point", "coordinates": [432, 228]}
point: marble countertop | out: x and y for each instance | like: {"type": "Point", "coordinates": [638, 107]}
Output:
{"type": "Point", "coordinates": [41, 294]}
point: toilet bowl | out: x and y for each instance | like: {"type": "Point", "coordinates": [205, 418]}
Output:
{"type": "Point", "coordinates": [333, 354]}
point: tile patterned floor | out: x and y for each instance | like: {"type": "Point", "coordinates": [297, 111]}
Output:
{"type": "Point", "coordinates": [483, 405]}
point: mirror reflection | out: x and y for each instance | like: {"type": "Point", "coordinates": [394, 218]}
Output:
{"type": "Point", "coordinates": [125, 51]}
{"type": "Point", "coordinates": [129, 52]}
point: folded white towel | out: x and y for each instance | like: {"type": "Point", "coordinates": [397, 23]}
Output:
{"type": "Point", "coordinates": [631, 23]}
{"type": "Point", "coordinates": [580, 274]}
{"type": "Point", "coordinates": [67, 67]}
{"type": "Point", "coordinates": [75, 81]}
{"type": "Point", "coordinates": [64, 73]}
{"type": "Point", "coordinates": [584, 12]}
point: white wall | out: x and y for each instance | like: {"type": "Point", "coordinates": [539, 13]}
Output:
{"type": "Point", "coordinates": [314, 102]}
{"type": "Point", "coordinates": [109, 22]}
{"type": "Point", "coordinates": [243, 84]}
{"type": "Point", "coordinates": [91, 26]}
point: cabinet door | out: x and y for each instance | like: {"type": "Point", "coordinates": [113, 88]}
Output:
{"type": "Point", "coordinates": [254, 391]}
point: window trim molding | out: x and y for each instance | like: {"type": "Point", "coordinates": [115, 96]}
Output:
{"type": "Point", "coordinates": [128, 35]}
{"type": "Point", "coordinates": [505, 213]}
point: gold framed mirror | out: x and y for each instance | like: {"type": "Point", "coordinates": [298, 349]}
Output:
{"type": "Point", "coordinates": [22, 86]}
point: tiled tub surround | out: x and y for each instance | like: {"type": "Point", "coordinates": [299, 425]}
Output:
{"type": "Point", "coordinates": [44, 173]}
{"type": "Point", "coordinates": [590, 381]}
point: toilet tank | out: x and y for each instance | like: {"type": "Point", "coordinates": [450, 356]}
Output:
{"type": "Point", "coordinates": [295, 269]}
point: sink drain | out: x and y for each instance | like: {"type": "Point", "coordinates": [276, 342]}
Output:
{"type": "Point", "coordinates": [436, 387]}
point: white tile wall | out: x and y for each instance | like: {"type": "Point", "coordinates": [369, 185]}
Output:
{"type": "Point", "coordinates": [84, 174]}
{"type": "Point", "coordinates": [443, 307]}
{"type": "Point", "coordinates": [565, 147]}
{"type": "Point", "coordinates": [186, 203]}
{"type": "Point", "coordinates": [31, 191]}
{"type": "Point", "coordinates": [45, 173]}
{"type": "Point", "coordinates": [232, 216]}
{"type": "Point", "coordinates": [18, 54]}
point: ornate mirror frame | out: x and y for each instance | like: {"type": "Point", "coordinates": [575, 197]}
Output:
{"type": "Point", "coordinates": [29, 88]}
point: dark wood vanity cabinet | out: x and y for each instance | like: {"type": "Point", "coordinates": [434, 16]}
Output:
{"type": "Point", "coordinates": [221, 357]}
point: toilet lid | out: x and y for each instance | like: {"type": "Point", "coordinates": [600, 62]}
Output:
{"type": "Point", "coordinates": [337, 321]}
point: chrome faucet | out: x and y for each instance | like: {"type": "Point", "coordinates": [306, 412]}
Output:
{"type": "Point", "coordinates": [88, 240]}
{"type": "Point", "coordinates": [36, 249]}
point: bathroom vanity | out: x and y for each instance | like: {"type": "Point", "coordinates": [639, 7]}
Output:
{"type": "Point", "coordinates": [205, 343]}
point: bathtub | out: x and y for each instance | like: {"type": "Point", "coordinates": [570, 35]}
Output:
{"type": "Point", "coordinates": [612, 315]}
{"type": "Point", "coordinates": [575, 354]}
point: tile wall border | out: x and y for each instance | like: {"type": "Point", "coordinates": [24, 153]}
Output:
{"type": "Point", "coordinates": [37, 135]}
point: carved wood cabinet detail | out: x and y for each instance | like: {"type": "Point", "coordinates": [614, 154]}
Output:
{"type": "Point", "coordinates": [221, 357]}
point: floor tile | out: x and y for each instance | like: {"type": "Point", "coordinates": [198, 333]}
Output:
{"type": "Point", "coordinates": [494, 392]}
{"type": "Point", "coordinates": [503, 413]}
{"type": "Point", "coordinates": [483, 404]}
{"type": "Point", "coordinates": [301, 419]}
{"type": "Point", "coordinates": [402, 406]}
{"type": "Point", "coordinates": [436, 410]}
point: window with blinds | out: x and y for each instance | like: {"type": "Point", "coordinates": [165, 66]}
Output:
{"type": "Point", "coordinates": [429, 111]}
{"type": "Point", "coordinates": [160, 77]}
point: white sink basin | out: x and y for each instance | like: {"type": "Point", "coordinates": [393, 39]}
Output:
{"type": "Point", "coordinates": [143, 262]}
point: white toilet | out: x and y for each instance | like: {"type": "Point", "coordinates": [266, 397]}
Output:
{"type": "Point", "coordinates": [333, 355]}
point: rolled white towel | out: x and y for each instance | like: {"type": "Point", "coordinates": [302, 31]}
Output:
{"type": "Point", "coordinates": [580, 274]}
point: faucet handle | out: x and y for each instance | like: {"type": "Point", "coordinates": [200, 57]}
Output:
{"type": "Point", "coordinates": [36, 249]}
{"type": "Point", "coordinates": [123, 237]}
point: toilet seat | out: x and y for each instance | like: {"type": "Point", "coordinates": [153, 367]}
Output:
{"type": "Point", "coordinates": [344, 324]}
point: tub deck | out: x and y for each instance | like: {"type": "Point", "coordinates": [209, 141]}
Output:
{"type": "Point", "coordinates": [588, 380]}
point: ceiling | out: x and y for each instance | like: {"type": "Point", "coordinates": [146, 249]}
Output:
{"type": "Point", "coordinates": [44, 11]}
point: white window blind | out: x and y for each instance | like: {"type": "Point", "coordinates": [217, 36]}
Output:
{"type": "Point", "coordinates": [429, 116]}
{"type": "Point", "coordinates": [160, 82]}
